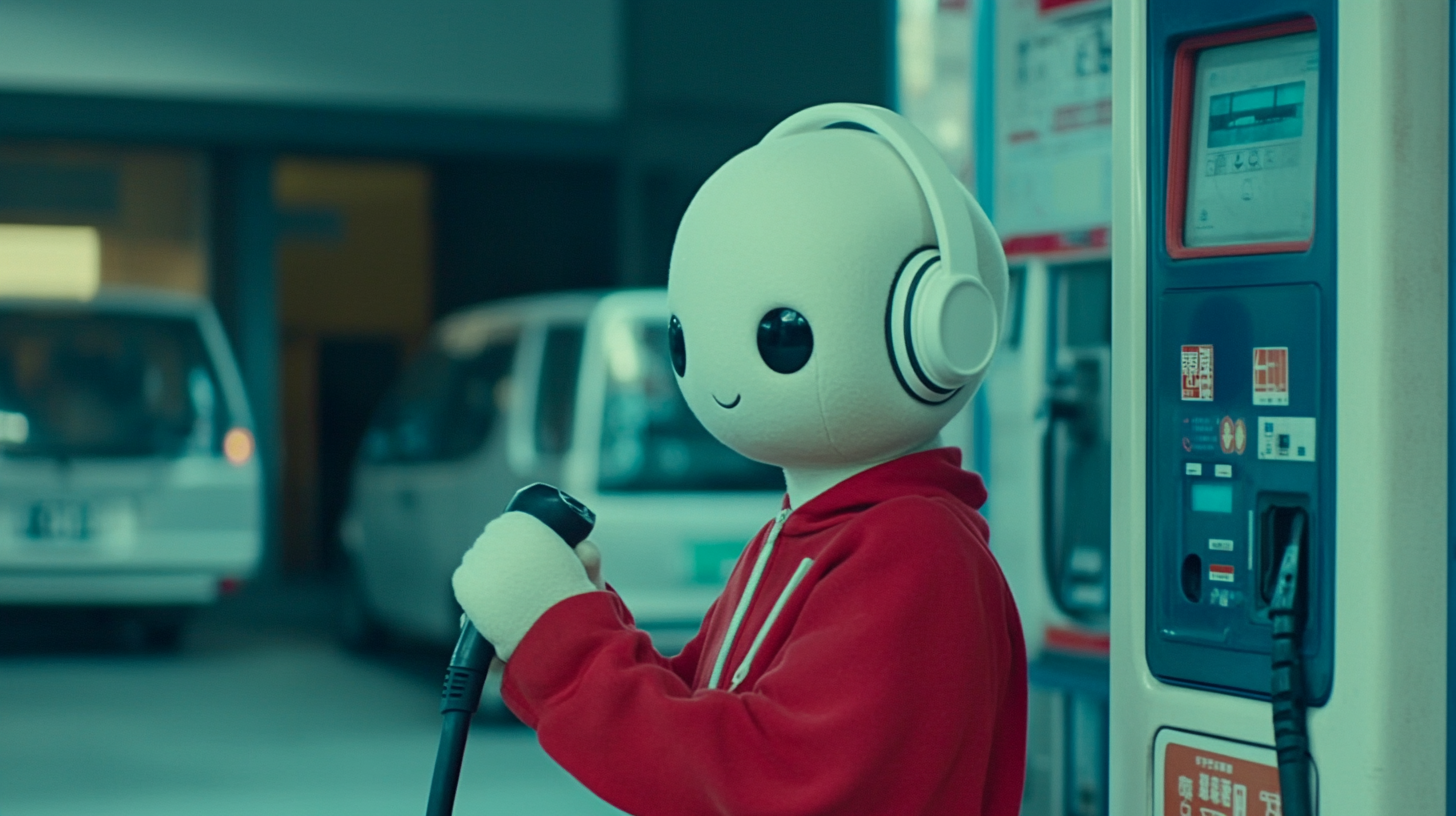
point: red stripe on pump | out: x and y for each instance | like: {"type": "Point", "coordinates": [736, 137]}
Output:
{"type": "Point", "coordinates": [1062, 639]}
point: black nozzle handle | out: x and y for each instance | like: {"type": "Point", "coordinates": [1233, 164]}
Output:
{"type": "Point", "coordinates": [555, 508]}
{"type": "Point", "coordinates": [1291, 734]}
{"type": "Point", "coordinates": [465, 678]}
{"type": "Point", "coordinates": [566, 517]}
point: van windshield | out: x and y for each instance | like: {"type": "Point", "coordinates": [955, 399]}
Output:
{"type": "Point", "coordinates": [444, 406]}
{"type": "Point", "coordinates": [651, 442]}
{"type": "Point", "coordinates": [81, 384]}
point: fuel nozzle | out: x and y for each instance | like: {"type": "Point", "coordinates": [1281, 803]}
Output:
{"type": "Point", "coordinates": [1287, 605]}
{"type": "Point", "coordinates": [465, 677]}
{"type": "Point", "coordinates": [1283, 520]}
{"type": "Point", "coordinates": [1284, 599]}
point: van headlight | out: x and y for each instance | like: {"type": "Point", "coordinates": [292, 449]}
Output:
{"type": "Point", "coordinates": [238, 446]}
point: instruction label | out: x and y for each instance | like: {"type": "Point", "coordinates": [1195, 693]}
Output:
{"type": "Point", "coordinates": [1200, 434]}
{"type": "Point", "coordinates": [1197, 366]}
{"type": "Point", "coordinates": [1198, 782]}
{"type": "Point", "coordinates": [1287, 439]}
{"type": "Point", "coordinates": [1271, 375]}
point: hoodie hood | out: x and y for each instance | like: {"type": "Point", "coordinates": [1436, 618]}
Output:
{"type": "Point", "coordinates": [932, 474]}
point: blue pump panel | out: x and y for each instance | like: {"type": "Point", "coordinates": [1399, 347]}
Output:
{"type": "Point", "coordinates": [1241, 349]}
{"type": "Point", "coordinates": [1210, 537]}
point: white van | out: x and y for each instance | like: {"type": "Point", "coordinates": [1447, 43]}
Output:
{"type": "Point", "coordinates": [575, 390]}
{"type": "Point", "coordinates": [128, 479]}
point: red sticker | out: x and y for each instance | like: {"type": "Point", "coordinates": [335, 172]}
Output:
{"type": "Point", "coordinates": [1198, 373]}
{"type": "Point", "coordinates": [1202, 783]}
{"type": "Point", "coordinates": [1241, 436]}
{"type": "Point", "coordinates": [1221, 572]}
{"type": "Point", "coordinates": [1271, 375]}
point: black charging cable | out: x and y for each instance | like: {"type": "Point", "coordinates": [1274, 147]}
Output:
{"type": "Point", "coordinates": [465, 678]}
{"type": "Point", "coordinates": [1291, 735]}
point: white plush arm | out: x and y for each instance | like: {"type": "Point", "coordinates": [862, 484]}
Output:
{"type": "Point", "coordinates": [517, 569]}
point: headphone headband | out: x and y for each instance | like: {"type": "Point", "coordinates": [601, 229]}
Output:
{"type": "Point", "coordinates": [954, 236]}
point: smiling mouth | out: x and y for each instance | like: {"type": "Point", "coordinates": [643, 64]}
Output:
{"type": "Point", "coordinates": [736, 399]}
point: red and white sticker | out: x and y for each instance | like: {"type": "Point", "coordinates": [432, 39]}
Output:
{"type": "Point", "coordinates": [1203, 783]}
{"type": "Point", "coordinates": [1199, 775]}
{"type": "Point", "coordinates": [1271, 375]}
{"type": "Point", "coordinates": [1197, 373]}
{"type": "Point", "coordinates": [1221, 572]}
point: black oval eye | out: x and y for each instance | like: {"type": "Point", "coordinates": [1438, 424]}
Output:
{"type": "Point", "coordinates": [784, 340]}
{"type": "Point", "coordinates": [677, 347]}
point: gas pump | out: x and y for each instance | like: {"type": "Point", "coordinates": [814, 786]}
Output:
{"type": "Point", "coordinates": [1279, 408]}
{"type": "Point", "coordinates": [1048, 72]}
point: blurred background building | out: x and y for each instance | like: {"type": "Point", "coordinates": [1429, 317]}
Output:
{"type": "Point", "coordinates": [336, 175]}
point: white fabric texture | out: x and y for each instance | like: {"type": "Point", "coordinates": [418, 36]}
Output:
{"type": "Point", "coordinates": [820, 223]}
{"type": "Point", "coordinates": [517, 569]}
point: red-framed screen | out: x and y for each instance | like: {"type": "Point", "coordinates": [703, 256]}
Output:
{"type": "Point", "coordinates": [1185, 75]}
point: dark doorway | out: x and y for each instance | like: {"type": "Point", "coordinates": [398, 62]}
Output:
{"type": "Point", "coordinates": [353, 375]}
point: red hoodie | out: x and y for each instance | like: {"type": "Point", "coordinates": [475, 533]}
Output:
{"type": "Point", "coordinates": [892, 679]}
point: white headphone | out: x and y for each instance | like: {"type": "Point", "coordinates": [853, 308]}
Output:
{"type": "Point", "coordinates": [941, 323]}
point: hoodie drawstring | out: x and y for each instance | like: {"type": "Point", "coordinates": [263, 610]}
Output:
{"type": "Point", "coordinates": [773, 615]}
{"type": "Point", "coordinates": [747, 598]}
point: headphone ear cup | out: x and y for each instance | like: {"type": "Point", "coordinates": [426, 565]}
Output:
{"type": "Point", "coordinates": [941, 329]}
{"type": "Point", "coordinates": [902, 336]}
{"type": "Point", "coordinates": [955, 326]}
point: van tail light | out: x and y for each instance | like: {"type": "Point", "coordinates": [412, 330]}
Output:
{"type": "Point", "coordinates": [229, 586]}
{"type": "Point", "coordinates": [238, 446]}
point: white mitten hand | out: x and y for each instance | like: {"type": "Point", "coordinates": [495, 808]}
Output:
{"type": "Point", "coordinates": [517, 569]}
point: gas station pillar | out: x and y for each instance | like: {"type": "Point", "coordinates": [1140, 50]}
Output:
{"type": "Point", "coordinates": [245, 292]}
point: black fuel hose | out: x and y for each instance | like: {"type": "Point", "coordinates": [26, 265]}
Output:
{"type": "Point", "coordinates": [465, 677]}
{"type": "Point", "coordinates": [1291, 735]}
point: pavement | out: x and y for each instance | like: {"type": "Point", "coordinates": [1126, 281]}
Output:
{"type": "Point", "coordinates": [261, 712]}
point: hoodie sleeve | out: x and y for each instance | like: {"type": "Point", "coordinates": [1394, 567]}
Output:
{"type": "Point", "coordinates": [685, 663]}
{"type": "Point", "coordinates": [891, 674]}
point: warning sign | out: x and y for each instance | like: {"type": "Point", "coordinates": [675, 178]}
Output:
{"type": "Point", "coordinates": [1198, 782]}
{"type": "Point", "coordinates": [1271, 375]}
{"type": "Point", "coordinates": [1197, 365]}
{"type": "Point", "coordinates": [1221, 572]}
{"type": "Point", "coordinates": [1241, 436]}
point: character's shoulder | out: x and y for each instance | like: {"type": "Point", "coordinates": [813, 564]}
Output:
{"type": "Point", "coordinates": [914, 509]}
{"type": "Point", "coordinates": [936, 525]}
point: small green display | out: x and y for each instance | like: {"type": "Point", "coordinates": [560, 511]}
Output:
{"type": "Point", "coordinates": [1208, 497]}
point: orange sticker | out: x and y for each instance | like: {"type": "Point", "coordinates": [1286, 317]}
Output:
{"type": "Point", "coordinates": [1271, 375]}
{"type": "Point", "coordinates": [1197, 368]}
{"type": "Point", "coordinates": [1199, 782]}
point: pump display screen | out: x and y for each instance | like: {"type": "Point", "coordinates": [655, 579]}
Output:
{"type": "Point", "coordinates": [1253, 137]}
{"type": "Point", "coordinates": [1212, 498]}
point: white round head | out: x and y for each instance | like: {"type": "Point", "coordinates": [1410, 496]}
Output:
{"type": "Point", "coordinates": [780, 283]}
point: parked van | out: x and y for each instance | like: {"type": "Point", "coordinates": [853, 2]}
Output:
{"type": "Point", "coordinates": [128, 480]}
{"type": "Point", "coordinates": [573, 389]}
